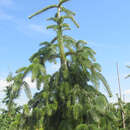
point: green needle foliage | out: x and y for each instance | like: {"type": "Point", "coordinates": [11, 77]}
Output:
{"type": "Point", "coordinates": [128, 74]}
{"type": "Point", "coordinates": [69, 99]}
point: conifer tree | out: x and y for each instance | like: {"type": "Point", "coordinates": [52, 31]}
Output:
{"type": "Point", "coordinates": [68, 99]}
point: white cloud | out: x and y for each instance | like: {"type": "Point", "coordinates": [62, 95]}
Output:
{"type": "Point", "coordinates": [6, 3]}
{"type": "Point", "coordinates": [55, 67]}
{"type": "Point", "coordinates": [38, 28]}
{"type": "Point", "coordinates": [52, 68]}
{"type": "Point", "coordinates": [102, 45]}
{"type": "Point", "coordinates": [5, 16]}
{"type": "Point", "coordinates": [35, 27]}
{"type": "Point", "coordinates": [126, 95]}
{"type": "Point", "coordinates": [31, 84]}
{"type": "Point", "coordinates": [22, 98]}
{"type": "Point", "coordinates": [3, 84]}
{"type": "Point", "coordinates": [23, 25]}
{"type": "Point", "coordinates": [127, 63]}
{"type": "Point", "coordinates": [127, 92]}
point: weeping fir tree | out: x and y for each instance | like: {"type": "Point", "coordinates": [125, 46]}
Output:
{"type": "Point", "coordinates": [68, 99]}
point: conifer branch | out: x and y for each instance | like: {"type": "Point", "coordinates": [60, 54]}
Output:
{"type": "Point", "coordinates": [67, 11]}
{"type": "Point", "coordinates": [55, 19]}
{"type": "Point", "coordinates": [72, 19]}
{"type": "Point", "coordinates": [62, 2]}
{"type": "Point", "coordinates": [43, 10]}
{"type": "Point", "coordinates": [27, 90]}
{"type": "Point", "coordinates": [54, 27]}
{"type": "Point", "coordinates": [101, 77]}
{"type": "Point", "coordinates": [54, 39]}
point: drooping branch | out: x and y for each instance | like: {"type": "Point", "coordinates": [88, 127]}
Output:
{"type": "Point", "coordinates": [67, 11]}
{"type": "Point", "coordinates": [72, 19]}
{"type": "Point", "coordinates": [43, 10]}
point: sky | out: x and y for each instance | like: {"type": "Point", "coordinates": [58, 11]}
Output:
{"type": "Point", "coordinates": [104, 24]}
